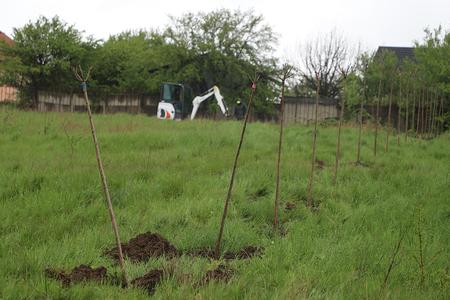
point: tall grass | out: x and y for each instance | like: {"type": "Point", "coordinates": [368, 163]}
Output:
{"type": "Point", "coordinates": [171, 178]}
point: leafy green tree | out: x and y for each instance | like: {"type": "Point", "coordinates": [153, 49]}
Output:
{"type": "Point", "coordinates": [227, 47]}
{"type": "Point", "coordinates": [42, 56]}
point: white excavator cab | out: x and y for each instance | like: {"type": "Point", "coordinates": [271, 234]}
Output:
{"type": "Point", "coordinates": [175, 101]}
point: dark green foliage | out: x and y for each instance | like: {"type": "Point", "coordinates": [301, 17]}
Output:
{"type": "Point", "coordinates": [42, 56]}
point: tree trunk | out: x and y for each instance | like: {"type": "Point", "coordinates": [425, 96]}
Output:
{"type": "Point", "coordinates": [377, 120]}
{"type": "Point", "coordinates": [233, 172]}
{"type": "Point", "coordinates": [418, 112]}
{"type": "Point", "coordinates": [399, 113]}
{"type": "Point", "coordinates": [413, 127]}
{"type": "Point", "coordinates": [280, 143]}
{"type": "Point", "coordinates": [313, 158]}
{"type": "Point", "coordinates": [408, 93]}
{"type": "Point", "coordinates": [433, 115]}
{"type": "Point", "coordinates": [358, 153]}
{"type": "Point", "coordinates": [424, 106]}
{"type": "Point", "coordinates": [338, 144]}
{"type": "Point", "coordinates": [105, 186]}
{"type": "Point", "coordinates": [386, 147]}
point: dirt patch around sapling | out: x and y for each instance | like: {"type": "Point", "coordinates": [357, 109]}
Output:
{"type": "Point", "coordinates": [320, 164]}
{"type": "Point", "coordinates": [144, 246]}
{"type": "Point", "coordinates": [289, 206]}
{"type": "Point", "coordinates": [221, 273]}
{"type": "Point", "coordinates": [82, 273]}
{"type": "Point", "coordinates": [148, 281]}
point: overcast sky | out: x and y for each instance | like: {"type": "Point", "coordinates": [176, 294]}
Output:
{"type": "Point", "coordinates": [370, 22]}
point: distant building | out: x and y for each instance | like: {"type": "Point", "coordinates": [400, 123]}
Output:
{"type": "Point", "coordinates": [7, 93]}
{"type": "Point", "coordinates": [402, 53]}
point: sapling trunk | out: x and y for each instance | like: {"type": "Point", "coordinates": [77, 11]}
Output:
{"type": "Point", "coordinates": [413, 111]}
{"type": "Point", "coordinates": [280, 143]}
{"type": "Point", "coordinates": [313, 158]}
{"type": "Point", "coordinates": [377, 119]}
{"type": "Point", "coordinates": [408, 93]}
{"type": "Point", "coordinates": [392, 261]}
{"type": "Point", "coordinates": [399, 113]}
{"type": "Point", "coordinates": [101, 170]}
{"type": "Point", "coordinates": [386, 146]}
{"type": "Point", "coordinates": [419, 102]}
{"type": "Point", "coordinates": [233, 172]}
{"type": "Point", "coordinates": [441, 116]}
{"type": "Point", "coordinates": [424, 106]}
{"type": "Point", "coordinates": [358, 152]}
{"type": "Point", "coordinates": [398, 123]}
{"type": "Point", "coordinates": [427, 115]}
{"type": "Point", "coordinates": [433, 116]}
{"type": "Point", "coordinates": [338, 143]}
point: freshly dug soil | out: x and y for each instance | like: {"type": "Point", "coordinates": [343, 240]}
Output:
{"type": "Point", "coordinates": [221, 273]}
{"type": "Point", "coordinates": [290, 206]}
{"type": "Point", "coordinates": [82, 273]}
{"type": "Point", "coordinates": [320, 164]}
{"type": "Point", "coordinates": [144, 246]}
{"type": "Point", "coordinates": [149, 281]}
{"type": "Point", "coordinates": [244, 253]}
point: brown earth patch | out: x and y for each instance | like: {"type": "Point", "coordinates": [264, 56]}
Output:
{"type": "Point", "coordinates": [289, 206]}
{"type": "Point", "coordinates": [144, 246]}
{"type": "Point", "coordinates": [221, 273]}
{"type": "Point", "coordinates": [320, 164]}
{"type": "Point", "coordinates": [82, 273]}
{"type": "Point", "coordinates": [148, 281]}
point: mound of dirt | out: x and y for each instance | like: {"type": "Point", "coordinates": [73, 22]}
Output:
{"type": "Point", "coordinates": [144, 246]}
{"type": "Point", "coordinates": [320, 164]}
{"type": "Point", "coordinates": [149, 281]}
{"type": "Point", "coordinates": [221, 273]}
{"type": "Point", "coordinates": [290, 206]}
{"type": "Point", "coordinates": [82, 273]}
{"type": "Point", "coordinates": [244, 253]}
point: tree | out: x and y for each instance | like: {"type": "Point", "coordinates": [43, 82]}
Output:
{"type": "Point", "coordinates": [122, 63]}
{"type": "Point", "coordinates": [327, 57]}
{"type": "Point", "coordinates": [42, 56]}
{"type": "Point", "coordinates": [433, 64]}
{"type": "Point", "coordinates": [226, 47]}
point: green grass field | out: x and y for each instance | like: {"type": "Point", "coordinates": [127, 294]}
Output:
{"type": "Point", "coordinates": [172, 178]}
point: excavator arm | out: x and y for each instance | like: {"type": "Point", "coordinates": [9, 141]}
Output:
{"type": "Point", "coordinates": [199, 99]}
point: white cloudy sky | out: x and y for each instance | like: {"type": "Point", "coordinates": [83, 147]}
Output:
{"type": "Point", "coordinates": [370, 22]}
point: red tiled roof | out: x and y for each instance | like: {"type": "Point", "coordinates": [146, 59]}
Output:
{"type": "Point", "coordinates": [7, 39]}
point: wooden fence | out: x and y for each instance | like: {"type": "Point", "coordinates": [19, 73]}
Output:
{"type": "Point", "coordinates": [7, 93]}
{"type": "Point", "coordinates": [62, 102]}
{"type": "Point", "coordinates": [297, 110]}
{"type": "Point", "coordinates": [302, 110]}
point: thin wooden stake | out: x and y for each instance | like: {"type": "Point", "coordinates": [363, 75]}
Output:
{"type": "Point", "coordinates": [286, 73]}
{"type": "Point", "coordinates": [83, 79]}
{"type": "Point", "coordinates": [313, 158]}
{"type": "Point", "coordinates": [233, 172]}
{"type": "Point", "coordinates": [338, 143]}
{"type": "Point", "coordinates": [386, 147]}
{"type": "Point", "coordinates": [358, 153]}
{"type": "Point", "coordinates": [392, 262]}
{"type": "Point", "coordinates": [377, 119]}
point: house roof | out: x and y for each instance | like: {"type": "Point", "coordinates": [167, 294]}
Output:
{"type": "Point", "coordinates": [401, 52]}
{"type": "Point", "coordinates": [5, 38]}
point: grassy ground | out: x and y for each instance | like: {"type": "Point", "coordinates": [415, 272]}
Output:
{"type": "Point", "coordinates": [171, 178]}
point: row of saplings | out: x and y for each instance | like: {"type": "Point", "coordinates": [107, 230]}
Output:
{"type": "Point", "coordinates": [151, 245]}
{"type": "Point", "coordinates": [148, 245]}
